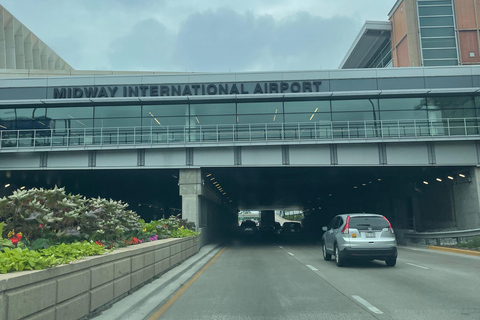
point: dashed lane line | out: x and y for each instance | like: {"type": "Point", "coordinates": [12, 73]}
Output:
{"type": "Point", "coordinates": [416, 265]}
{"type": "Point", "coordinates": [367, 304]}
{"type": "Point", "coordinates": [312, 267]}
{"type": "Point", "coordinates": [290, 254]}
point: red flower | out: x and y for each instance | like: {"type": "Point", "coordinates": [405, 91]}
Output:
{"type": "Point", "coordinates": [16, 239]}
{"type": "Point", "coordinates": [40, 226]}
{"type": "Point", "coordinates": [165, 226]}
{"type": "Point", "coordinates": [99, 243]}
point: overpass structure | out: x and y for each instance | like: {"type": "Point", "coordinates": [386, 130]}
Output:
{"type": "Point", "coordinates": [421, 118]}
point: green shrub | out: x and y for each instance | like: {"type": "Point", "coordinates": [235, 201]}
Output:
{"type": "Point", "coordinates": [183, 233]}
{"type": "Point", "coordinates": [18, 259]}
{"type": "Point", "coordinates": [471, 244]}
{"type": "Point", "coordinates": [60, 217]}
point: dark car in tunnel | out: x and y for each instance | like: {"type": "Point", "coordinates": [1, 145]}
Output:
{"type": "Point", "coordinates": [291, 229]}
{"type": "Point", "coordinates": [248, 229]}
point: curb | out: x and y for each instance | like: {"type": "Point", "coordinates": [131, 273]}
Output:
{"type": "Point", "coordinates": [453, 250]}
{"type": "Point", "coordinates": [140, 303]}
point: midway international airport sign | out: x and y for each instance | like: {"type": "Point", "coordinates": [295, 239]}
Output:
{"type": "Point", "coordinates": [200, 89]}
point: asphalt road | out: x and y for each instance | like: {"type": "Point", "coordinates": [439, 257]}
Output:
{"type": "Point", "coordinates": [294, 282]}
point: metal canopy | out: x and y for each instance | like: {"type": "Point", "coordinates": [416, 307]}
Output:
{"type": "Point", "coordinates": [367, 44]}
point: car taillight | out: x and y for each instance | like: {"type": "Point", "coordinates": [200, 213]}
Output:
{"type": "Point", "coordinates": [389, 226]}
{"type": "Point", "coordinates": [345, 228]}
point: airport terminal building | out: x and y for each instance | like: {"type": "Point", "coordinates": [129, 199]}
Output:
{"type": "Point", "coordinates": [57, 118]}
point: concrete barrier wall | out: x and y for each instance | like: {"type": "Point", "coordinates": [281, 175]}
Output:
{"type": "Point", "coordinates": [76, 290]}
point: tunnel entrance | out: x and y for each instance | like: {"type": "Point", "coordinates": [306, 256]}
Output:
{"type": "Point", "coordinates": [412, 198]}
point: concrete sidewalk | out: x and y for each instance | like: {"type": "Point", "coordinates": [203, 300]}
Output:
{"type": "Point", "coordinates": [145, 301]}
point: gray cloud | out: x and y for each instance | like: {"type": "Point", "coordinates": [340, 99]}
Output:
{"type": "Point", "coordinates": [187, 35]}
{"type": "Point", "coordinates": [224, 40]}
{"type": "Point", "coordinates": [148, 46]}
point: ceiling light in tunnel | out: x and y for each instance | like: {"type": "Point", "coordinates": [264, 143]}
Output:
{"type": "Point", "coordinates": [461, 175]}
{"type": "Point", "coordinates": [139, 204]}
{"type": "Point", "coordinates": [379, 179]}
{"type": "Point", "coordinates": [208, 175]}
{"type": "Point", "coordinates": [439, 180]}
{"type": "Point", "coordinates": [224, 193]}
{"type": "Point", "coordinates": [7, 185]}
{"type": "Point", "coordinates": [355, 187]}
{"type": "Point", "coordinates": [212, 179]}
{"type": "Point", "coordinates": [330, 195]}
{"type": "Point", "coordinates": [23, 187]}
{"type": "Point", "coordinates": [450, 177]}
{"type": "Point", "coordinates": [364, 184]}
{"type": "Point", "coordinates": [425, 182]}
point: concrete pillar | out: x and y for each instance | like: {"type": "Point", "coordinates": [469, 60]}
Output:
{"type": "Point", "coordinates": [10, 45]}
{"type": "Point", "coordinates": [190, 185]}
{"type": "Point", "coordinates": [28, 51]}
{"type": "Point", "coordinates": [466, 193]}
{"type": "Point", "coordinates": [3, 58]}
{"type": "Point", "coordinates": [37, 62]}
{"type": "Point", "coordinates": [19, 46]}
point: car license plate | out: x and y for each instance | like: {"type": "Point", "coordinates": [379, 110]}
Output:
{"type": "Point", "coordinates": [370, 235]}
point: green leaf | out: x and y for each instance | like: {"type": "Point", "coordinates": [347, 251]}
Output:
{"type": "Point", "coordinates": [40, 243]}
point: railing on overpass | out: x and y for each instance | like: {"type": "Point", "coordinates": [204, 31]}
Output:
{"type": "Point", "coordinates": [235, 133]}
{"type": "Point", "coordinates": [458, 235]}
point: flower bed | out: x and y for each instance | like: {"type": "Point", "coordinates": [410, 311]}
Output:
{"type": "Point", "coordinates": [81, 288]}
{"type": "Point", "coordinates": [43, 228]}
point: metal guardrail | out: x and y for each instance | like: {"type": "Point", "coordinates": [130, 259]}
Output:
{"type": "Point", "coordinates": [438, 236]}
{"type": "Point", "coordinates": [271, 132]}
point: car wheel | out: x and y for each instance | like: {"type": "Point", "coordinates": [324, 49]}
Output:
{"type": "Point", "coordinates": [326, 256]}
{"type": "Point", "coordinates": [339, 260]}
{"type": "Point", "coordinates": [391, 262]}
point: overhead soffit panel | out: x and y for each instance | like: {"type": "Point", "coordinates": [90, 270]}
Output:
{"type": "Point", "coordinates": [367, 44]}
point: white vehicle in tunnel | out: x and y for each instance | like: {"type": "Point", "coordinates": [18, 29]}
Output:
{"type": "Point", "coordinates": [359, 235]}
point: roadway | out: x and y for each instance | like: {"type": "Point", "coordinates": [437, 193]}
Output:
{"type": "Point", "coordinates": [272, 281]}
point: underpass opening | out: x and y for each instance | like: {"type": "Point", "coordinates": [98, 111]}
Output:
{"type": "Point", "coordinates": [412, 198]}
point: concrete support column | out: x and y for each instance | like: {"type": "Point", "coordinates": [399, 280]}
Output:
{"type": "Point", "coordinates": [466, 193]}
{"type": "Point", "coordinates": [28, 51]}
{"type": "Point", "coordinates": [37, 60]}
{"type": "Point", "coordinates": [190, 185]}
{"type": "Point", "coordinates": [19, 47]}
{"type": "Point", "coordinates": [10, 45]}
{"type": "Point", "coordinates": [3, 58]}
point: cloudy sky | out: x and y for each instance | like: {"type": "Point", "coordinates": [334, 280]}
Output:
{"type": "Point", "coordinates": [199, 36]}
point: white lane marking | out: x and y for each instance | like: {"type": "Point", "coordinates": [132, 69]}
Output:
{"type": "Point", "coordinates": [312, 267]}
{"type": "Point", "coordinates": [290, 253]}
{"type": "Point", "coordinates": [280, 247]}
{"type": "Point", "coordinates": [367, 304]}
{"type": "Point", "coordinates": [416, 265]}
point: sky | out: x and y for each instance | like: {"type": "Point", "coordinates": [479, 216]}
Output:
{"type": "Point", "coordinates": [199, 36]}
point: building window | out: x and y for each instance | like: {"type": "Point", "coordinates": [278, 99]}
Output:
{"type": "Point", "coordinates": [437, 33]}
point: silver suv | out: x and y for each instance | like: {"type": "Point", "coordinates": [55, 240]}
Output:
{"type": "Point", "coordinates": [359, 235]}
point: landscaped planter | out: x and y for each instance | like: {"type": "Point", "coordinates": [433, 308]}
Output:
{"type": "Point", "coordinates": [75, 290]}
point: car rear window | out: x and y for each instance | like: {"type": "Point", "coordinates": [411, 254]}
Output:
{"type": "Point", "coordinates": [365, 223]}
